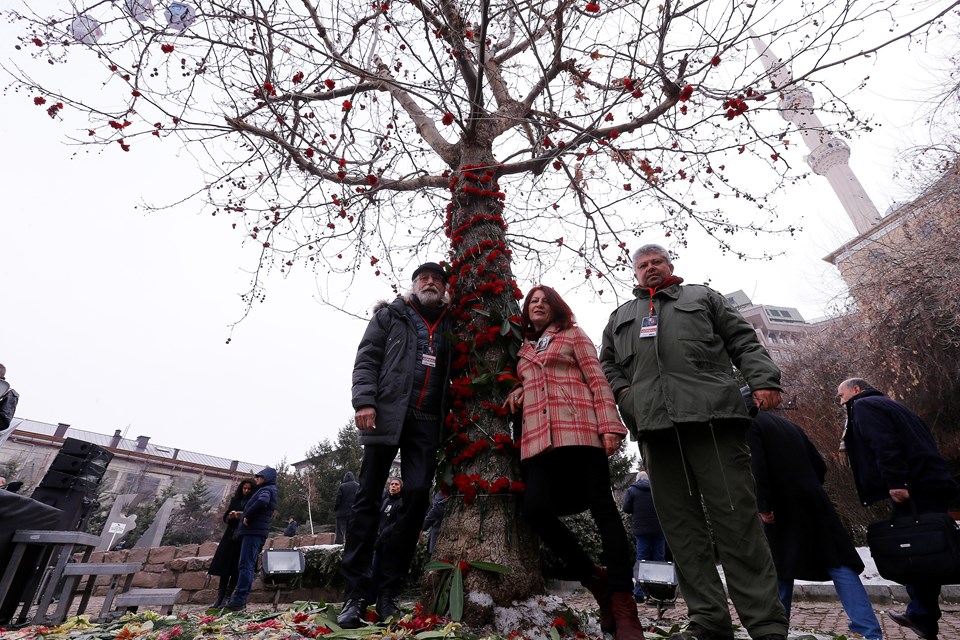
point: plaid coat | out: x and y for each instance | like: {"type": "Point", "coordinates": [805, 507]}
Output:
{"type": "Point", "coordinates": [566, 397]}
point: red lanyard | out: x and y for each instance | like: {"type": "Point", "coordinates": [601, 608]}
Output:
{"type": "Point", "coordinates": [430, 327]}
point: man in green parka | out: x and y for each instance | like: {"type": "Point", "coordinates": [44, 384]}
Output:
{"type": "Point", "coordinates": [669, 355]}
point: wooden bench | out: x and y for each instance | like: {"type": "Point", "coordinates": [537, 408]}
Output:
{"type": "Point", "coordinates": [163, 598]}
{"type": "Point", "coordinates": [121, 576]}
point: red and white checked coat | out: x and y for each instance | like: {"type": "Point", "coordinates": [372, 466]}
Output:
{"type": "Point", "coordinates": [567, 400]}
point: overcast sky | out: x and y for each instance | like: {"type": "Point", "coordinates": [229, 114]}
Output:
{"type": "Point", "coordinates": [114, 317]}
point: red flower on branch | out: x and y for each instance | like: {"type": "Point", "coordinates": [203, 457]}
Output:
{"type": "Point", "coordinates": [37, 41]}
{"type": "Point", "coordinates": [39, 101]}
{"type": "Point", "coordinates": [298, 77]}
{"type": "Point", "coordinates": [330, 84]}
{"type": "Point", "coordinates": [167, 48]}
{"type": "Point", "coordinates": [347, 105]}
{"type": "Point", "coordinates": [715, 61]}
{"type": "Point", "coordinates": [593, 7]}
{"type": "Point", "coordinates": [447, 119]}
{"type": "Point", "coordinates": [686, 93]}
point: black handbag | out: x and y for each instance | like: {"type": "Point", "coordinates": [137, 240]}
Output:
{"type": "Point", "coordinates": [921, 547]}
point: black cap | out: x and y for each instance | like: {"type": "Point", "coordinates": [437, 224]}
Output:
{"type": "Point", "coordinates": [432, 267]}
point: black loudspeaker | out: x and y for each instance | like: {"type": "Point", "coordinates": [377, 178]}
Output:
{"type": "Point", "coordinates": [70, 483]}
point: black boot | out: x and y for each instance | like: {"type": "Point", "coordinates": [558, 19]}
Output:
{"type": "Point", "coordinates": [223, 595]}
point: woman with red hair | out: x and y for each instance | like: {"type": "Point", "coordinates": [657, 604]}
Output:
{"type": "Point", "coordinates": [570, 427]}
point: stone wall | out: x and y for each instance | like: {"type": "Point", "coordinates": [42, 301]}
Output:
{"type": "Point", "coordinates": [186, 567]}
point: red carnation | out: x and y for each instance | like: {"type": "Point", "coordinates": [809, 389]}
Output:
{"type": "Point", "coordinates": [447, 119]}
{"type": "Point", "coordinates": [593, 7]}
{"type": "Point", "coordinates": [686, 93]}
{"type": "Point", "coordinates": [347, 105]}
{"type": "Point", "coordinates": [166, 48]}
{"type": "Point", "coordinates": [330, 84]}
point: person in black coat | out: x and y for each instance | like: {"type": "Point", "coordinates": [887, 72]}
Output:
{"type": "Point", "coordinates": [8, 401]}
{"type": "Point", "coordinates": [291, 529]}
{"type": "Point", "coordinates": [343, 506]}
{"type": "Point", "coordinates": [389, 516]}
{"type": "Point", "coordinates": [806, 537]}
{"type": "Point", "coordinates": [645, 526]}
{"type": "Point", "coordinates": [400, 382]}
{"type": "Point", "coordinates": [227, 555]}
{"type": "Point", "coordinates": [893, 456]}
{"type": "Point", "coordinates": [434, 519]}
{"type": "Point", "coordinates": [253, 530]}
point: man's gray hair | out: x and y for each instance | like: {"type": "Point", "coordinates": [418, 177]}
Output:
{"type": "Point", "coordinates": [652, 248]}
{"type": "Point", "coordinates": [642, 475]}
{"type": "Point", "coordinates": [856, 382]}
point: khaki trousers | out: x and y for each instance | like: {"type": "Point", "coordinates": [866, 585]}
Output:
{"type": "Point", "coordinates": [702, 483]}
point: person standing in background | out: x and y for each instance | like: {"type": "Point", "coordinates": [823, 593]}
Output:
{"type": "Point", "coordinates": [343, 505]}
{"type": "Point", "coordinates": [227, 556]}
{"type": "Point", "coordinates": [894, 457]}
{"type": "Point", "coordinates": [651, 545]}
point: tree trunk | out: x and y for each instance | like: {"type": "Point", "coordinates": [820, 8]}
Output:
{"type": "Point", "coordinates": [481, 468]}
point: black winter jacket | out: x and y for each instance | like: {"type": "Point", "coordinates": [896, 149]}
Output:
{"type": "Point", "coordinates": [638, 502]}
{"type": "Point", "coordinates": [890, 447]}
{"type": "Point", "coordinates": [258, 512]}
{"type": "Point", "coordinates": [388, 518]}
{"type": "Point", "coordinates": [806, 537]}
{"type": "Point", "coordinates": [346, 495]}
{"type": "Point", "coordinates": [385, 368]}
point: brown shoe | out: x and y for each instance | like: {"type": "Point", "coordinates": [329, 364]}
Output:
{"type": "Point", "coordinates": [625, 614]}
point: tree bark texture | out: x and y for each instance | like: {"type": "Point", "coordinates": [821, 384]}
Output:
{"type": "Point", "coordinates": [480, 469]}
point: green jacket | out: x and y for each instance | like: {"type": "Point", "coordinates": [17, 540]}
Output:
{"type": "Point", "coordinates": [684, 373]}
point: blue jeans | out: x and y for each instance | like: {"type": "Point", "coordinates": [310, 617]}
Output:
{"type": "Point", "coordinates": [649, 547]}
{"type": "Point", "coordinates": [250, 547]}
{"type": "Point", "coordinates": [853, 597]}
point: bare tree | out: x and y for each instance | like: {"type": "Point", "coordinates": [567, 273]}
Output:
{"type": "Point", "coordinates": [539, 136]}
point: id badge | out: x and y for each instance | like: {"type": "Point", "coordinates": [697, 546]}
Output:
{"type": "Point", "coordinates": [428, 360]}
{"type": "Point", "coordinates": [543, 343]}
{"type": "Point", "coordinates": [648, 327]}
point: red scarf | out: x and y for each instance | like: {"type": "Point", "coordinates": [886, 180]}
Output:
{"type": "Point", "coordinates": [669, 282]}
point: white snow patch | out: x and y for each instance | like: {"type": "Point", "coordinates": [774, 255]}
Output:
{"type": "Point", "coordinates": [531, 618]}
{"type": "Point", "coordinates": [480, 598]}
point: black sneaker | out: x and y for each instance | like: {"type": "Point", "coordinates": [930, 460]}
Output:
{"type": "Point", "coordinates": [386, 607]}
{"type": "Point", "coordinates": [902, 619]}
{"type": "Point", "coordinates": [236, 606]}
{"type": "Point", "coordinates": [351, 616]}
{"type": "Point", "coordinates": [695, 631]}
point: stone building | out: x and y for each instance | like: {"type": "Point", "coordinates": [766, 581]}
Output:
{"type": "Point", "coordinates": [780, 329]}
{"type": "Point", "coordinates": [138, 466]}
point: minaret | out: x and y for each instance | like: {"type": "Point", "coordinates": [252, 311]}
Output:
{"type": "Point", "coordinates": [829, 155]}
